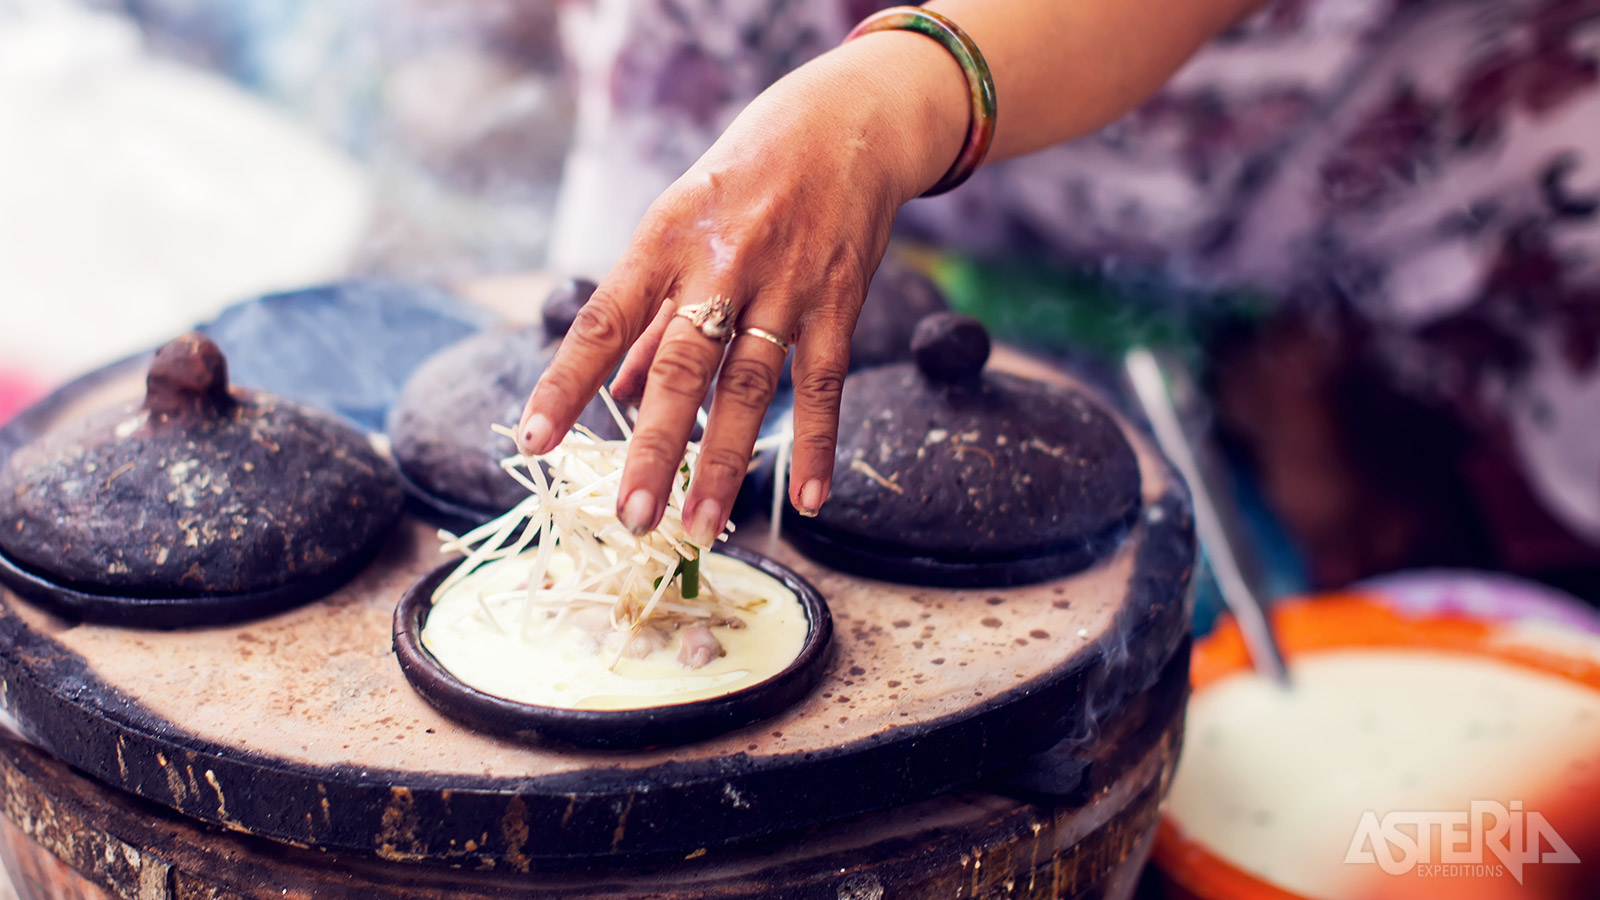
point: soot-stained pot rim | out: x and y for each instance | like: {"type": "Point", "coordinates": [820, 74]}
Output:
{"type": "Point", "coordinates": [130, 609]}
{"type": "Point", "coordinates": [849, 554]}
{"type": "Point", "coordinates": [656, 726]}
{"type": "Point", "coordinates": [440, 510]}
{"type": "Point", "coordinates": [155, 611]}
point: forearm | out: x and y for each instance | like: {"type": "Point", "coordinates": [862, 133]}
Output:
{"type": "Point", "coordinates": [1062, 69]}
{"type": "Point", "coordinates": [1065, 68]}
{"type": "Point", "coordinates": [785, 218]}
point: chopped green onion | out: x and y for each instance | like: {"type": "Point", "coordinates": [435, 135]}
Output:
{"type": "Point", "coordinates": [690, 570]}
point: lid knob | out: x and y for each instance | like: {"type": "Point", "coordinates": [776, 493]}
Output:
{"type": "Point", "coordinates": [950, 348]}
{"type": "Point", "coordinates": [189, 375]}
{"type": "Point", "coordinates": [563, 302]}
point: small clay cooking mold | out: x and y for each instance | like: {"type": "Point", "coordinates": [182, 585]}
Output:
{"type": "Point", "coordinates": [627, 726]}
{"type": "Point", "coordinates": [952, 475]}
{"type": "Point", "coordinates": [200, 504]}
{"type": "Point", "coordinates": [970, 685]}
{"type": "Point", "coordinates": [440, 426]}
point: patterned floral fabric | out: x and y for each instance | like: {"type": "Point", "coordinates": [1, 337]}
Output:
{"type": "Point", "coordinates": [1433, 165]}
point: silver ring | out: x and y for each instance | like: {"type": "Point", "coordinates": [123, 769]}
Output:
{"type": "Point", "coordinates": [765, 335]}
{"type": "Point", "coordinates": [713, 318]}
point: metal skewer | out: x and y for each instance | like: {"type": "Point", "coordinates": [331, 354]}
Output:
{"type": "Point", "coordinates": [1238, 579]}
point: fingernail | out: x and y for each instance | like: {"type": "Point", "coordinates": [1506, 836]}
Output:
{"type": "Point", "coordinates": [639, 512]}
{"type": "Point", "coordinates": [536, 435]}
{"type": "Point", "coordinates": [811, 497]}
{"type": "Point", "coordinates": [705, 524]}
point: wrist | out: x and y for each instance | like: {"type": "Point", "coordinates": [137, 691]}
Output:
{"type": "Point", "coordinates": [919, 103]}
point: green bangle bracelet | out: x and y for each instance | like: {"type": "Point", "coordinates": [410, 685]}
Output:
{"type": "Point", "coordinates": [980, 132]}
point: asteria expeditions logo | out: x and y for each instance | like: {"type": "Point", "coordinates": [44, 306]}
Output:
{"type": "Point", "coordinates": [1403, 841]}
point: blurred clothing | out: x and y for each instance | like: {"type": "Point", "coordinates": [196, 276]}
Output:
{"type": "Point", "coordinates": [1429, 168]}
{"type": "Point", "coordinates": [139, 195]}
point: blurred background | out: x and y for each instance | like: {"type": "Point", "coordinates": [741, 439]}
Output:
{"type": "Point", "coordinates": [167, 158]}
{"type": "Point", "coordinates": [1365, 224]}
{"type": "Point", "coordinates": [1370, 229]}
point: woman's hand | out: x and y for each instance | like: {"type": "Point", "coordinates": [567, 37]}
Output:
{"type": "Point", "coordinates": [788, 216]}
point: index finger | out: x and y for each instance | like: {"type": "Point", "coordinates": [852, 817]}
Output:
{"type": "Point", "coordinates": [679, 375]}
{"type": "Point", "coordinates": [600, 334]}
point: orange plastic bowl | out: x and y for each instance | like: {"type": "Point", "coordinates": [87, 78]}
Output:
{"type": "Point", "coordinates": [1188, 869]}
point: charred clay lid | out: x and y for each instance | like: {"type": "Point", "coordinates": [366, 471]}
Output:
{"type": "Point", "coordinates": [897, 299]}
{"type": "Point", "coordinates": [440, 426]}
{"type": "Point", "coordinates": [947, 474]}
{"type": "Point", "coordinates": [199, 504]}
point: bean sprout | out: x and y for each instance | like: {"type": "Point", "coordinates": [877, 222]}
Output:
{"type": "Point", "coordinates": [571, 510]}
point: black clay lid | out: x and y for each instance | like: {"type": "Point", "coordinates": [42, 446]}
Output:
{"type": "Point", "coordinates": [440, 426]}
{"type": "Point", "coordinates": [949, 474]}
{"type": "Point", "coordinates": [898, 298]}
{"type": "Point", "coordinates": [200, 490]}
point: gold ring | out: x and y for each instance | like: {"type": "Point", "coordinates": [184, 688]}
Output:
{"type": "Point", "coordinates": [713, 318]}
{"type": "Point", "coordinates": [767, 336]}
